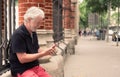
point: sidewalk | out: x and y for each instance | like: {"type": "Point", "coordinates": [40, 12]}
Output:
{"type": "Point", "coordinates": [93, 58]}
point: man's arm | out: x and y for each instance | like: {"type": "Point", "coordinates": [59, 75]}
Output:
{"type": "Point", "coordinates": [24, 57]}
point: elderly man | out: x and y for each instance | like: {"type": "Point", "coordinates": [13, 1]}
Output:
{"type": "Point", "coordinates": [24, 50]}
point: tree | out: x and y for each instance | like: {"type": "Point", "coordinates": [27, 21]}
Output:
{"type": "Point", "coordinates": [115, 17]}
{"type": "Point", "coordinates": [83, 15]}
{"type": "Point", "coordinates": [97, 6]}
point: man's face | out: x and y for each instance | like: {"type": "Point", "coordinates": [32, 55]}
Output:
{"type": "Point", "coordinates": [35, 23]}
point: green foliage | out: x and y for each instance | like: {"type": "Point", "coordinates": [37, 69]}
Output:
{"type": "Point", "coordinates": [115, 17]}
{"type": "Point", "coordinates": [115, 3]}
{"type": "Point", "coordinates": [97, 6]}
{"type": "Point", "coordinates": [16, 2]}
{"type": "Point", "coordinates": [83, 15]}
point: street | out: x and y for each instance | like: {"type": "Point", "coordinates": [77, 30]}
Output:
{"type": "Point", "coordinates": [93, 58]}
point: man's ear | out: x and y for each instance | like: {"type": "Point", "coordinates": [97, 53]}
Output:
{"type": "Point", "coordinates": [29, 19]}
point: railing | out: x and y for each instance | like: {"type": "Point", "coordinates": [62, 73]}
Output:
{"type": "Point", "coordinates": [7, 26]}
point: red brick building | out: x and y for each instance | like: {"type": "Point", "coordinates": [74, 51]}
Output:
{"type": "Point", "coordinates": [68, 12]}
{"type": "Point", "coordinates": [60, 17]}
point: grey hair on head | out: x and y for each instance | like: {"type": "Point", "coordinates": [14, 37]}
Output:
{"type": "Point", "coordinates": [33, 12]}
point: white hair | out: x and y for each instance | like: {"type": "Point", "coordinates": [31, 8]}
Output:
{"type": "Point", "coordinates": [33, 12]}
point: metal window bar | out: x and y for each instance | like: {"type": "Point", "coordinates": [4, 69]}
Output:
{"type": "Point", "coordinates": [57, 21]}
{"type": "Point", "coordinates": [14, 13]}
{"type": "Point", "coordinates": [5, 27]}
{"type": "Point", "coordinates": [10, 21]}
{"type": "Point", "coordinates": [58, 35]}
{"type": "Point", "coordinates": [9, 27]}
{"type": "Point", "coordinates": [0, 32]}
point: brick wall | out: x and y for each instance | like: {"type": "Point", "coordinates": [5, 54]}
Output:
{"type": "Point", "coordinates": [48, 14]}
{"type": "Point", "coordinates": [73, 6]}
{"type": "Point", "coordinates": [45, 5]}
{"type": "Point", "coordinates": [66, 13]}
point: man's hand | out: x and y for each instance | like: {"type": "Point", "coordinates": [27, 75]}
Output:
{"type": "Point", "coordinates": [49, 51]}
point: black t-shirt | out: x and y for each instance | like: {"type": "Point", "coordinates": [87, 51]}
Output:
{"type": "Point", "coordinates": [22, 41]}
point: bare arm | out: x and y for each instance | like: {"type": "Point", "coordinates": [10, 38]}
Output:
{"type": "Point", "coordinates": [25, 57]}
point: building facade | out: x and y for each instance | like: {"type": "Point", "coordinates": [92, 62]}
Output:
{"type": "Point", "coordinates": [61, 21]}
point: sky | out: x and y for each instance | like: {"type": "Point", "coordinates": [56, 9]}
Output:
{"type": "Point", "coordinates": [80, 1]}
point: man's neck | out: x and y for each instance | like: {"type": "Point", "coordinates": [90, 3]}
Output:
{"type": "Point", "coordinates": [28, 28]}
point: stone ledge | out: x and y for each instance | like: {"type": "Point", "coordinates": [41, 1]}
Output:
{"type": "Point", "coordinates": [55, 66]}
{"type": "Point", "coordinates": [44, 37]}
{"type": "Point", "coordinates": [71, 46]}
{"type": "Point", "coordinates": [44, 59]}
{"type": "Point", "coordinates": [41, 31]}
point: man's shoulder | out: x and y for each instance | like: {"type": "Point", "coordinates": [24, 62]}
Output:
{"type": "Point", "coordinates": [18, 30]}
